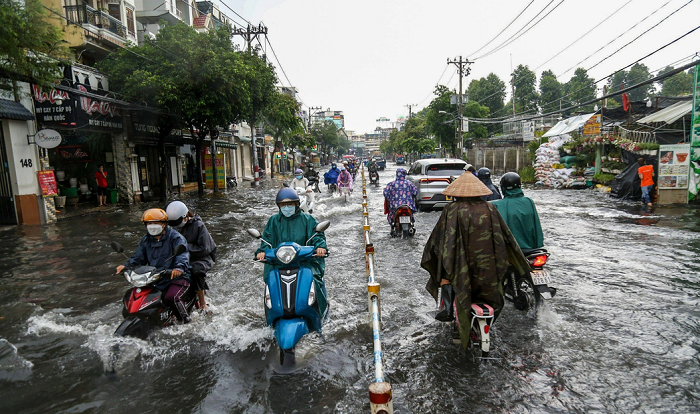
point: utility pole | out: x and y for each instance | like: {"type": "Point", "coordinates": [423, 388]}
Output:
{"type": "Point", "coordinates": [409, 106]}
{"type": "Point", "coordinates": [311, 113]}
{"type": "Point", "coordinates": [463, 67]}
{"type": "Point", "coordinates": [251, 33]}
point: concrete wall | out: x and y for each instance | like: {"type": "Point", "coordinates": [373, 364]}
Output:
{"type": "Point", "coordinates": [498, 160]}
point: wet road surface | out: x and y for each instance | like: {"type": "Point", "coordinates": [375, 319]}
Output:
{"type": "Point", "coordinates": [620, 336]}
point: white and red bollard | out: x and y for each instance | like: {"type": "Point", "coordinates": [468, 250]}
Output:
{"type": "Point", "coordinates": [380, 400]}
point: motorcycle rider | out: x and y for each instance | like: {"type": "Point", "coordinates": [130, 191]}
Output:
{"type": "Point", "coordinates": [155, 249]}
{"type": "Point", "coordinates": [291, 224]}
{"type": "Point", "coordinates": [299, 181]}
{"type": "Point", "coordinates": [199, 243]}
{"type": "Point", "coordinates": [331, 176]}
{"type": "Point", "coordinates": [345, 178]}
{"type": "Point", "coordinates": [484, 175]}
{"type": "Point", "coordinates": [469, 252]}
{"type": "Point", "coordinates": [520, 213]}
{"type": "Point", "coordinates": [399, 192]}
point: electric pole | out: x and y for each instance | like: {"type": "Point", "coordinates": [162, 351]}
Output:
{"type": "Point", "coordinates": [409, 106]}
{"type": "Point", "coordinates": [311, 113]}
{"type": "Point", "coordinates": [463, 67]}
{"type": "Point", "coordinates": [251, 33]}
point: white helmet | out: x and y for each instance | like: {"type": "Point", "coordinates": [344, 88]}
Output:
{"type": "Point", "coordinates": [176, 211]}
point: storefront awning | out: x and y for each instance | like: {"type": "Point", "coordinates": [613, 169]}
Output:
{"type": "Point", "coordinates": [245, 139]}
{"type": "Point", "coordinates": [14, 110]}
{"type": "Point", "coordinates": [670, 114]}
{"type": "Point", "coordinates": [224, 144]}
{"type": "Point", "coordinates": [567, 125]}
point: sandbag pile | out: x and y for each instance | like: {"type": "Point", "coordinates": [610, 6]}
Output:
{"type": "Point", "coordinates": [545, 156]}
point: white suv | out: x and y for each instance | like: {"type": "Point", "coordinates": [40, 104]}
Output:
{"type": "Point", "coordinates": [431, 176]}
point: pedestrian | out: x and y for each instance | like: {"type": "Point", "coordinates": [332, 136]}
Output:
{"type": "Point", "coordinates": [469, 252]}
{"type": "Point", "coordinates": [101, 178]}
{"type": "Point", "coordinates": [199, 243]}
{"type": "Point", "coordinates": [646, 174]}
{"type": "Point", "coordinates": [156, 249]}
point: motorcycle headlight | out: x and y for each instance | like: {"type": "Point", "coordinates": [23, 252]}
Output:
{"type": "Point", "coordinates": [268, 301]}
{"type": "Point", "coordinates": [312, 294]}
{"type": "Point", "coordinates": [286, 254]}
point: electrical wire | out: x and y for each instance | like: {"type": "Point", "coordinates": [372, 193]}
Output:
{"type": "Point", "coordinates": [504, 29]}
{"type": "Point", "coordinates": [584, 35]}
{"type": "Point", "coordinates": [436, 83]}
{"type": "Point", "coordinates": [234, 12]}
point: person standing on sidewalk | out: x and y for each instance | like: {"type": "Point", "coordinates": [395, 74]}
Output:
{"type": "Point", "coordinates": [101, 178]}
{"type": "Point", "coordinates": [646, 174]}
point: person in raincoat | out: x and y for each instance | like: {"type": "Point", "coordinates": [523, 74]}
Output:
{"type": "Point", "coordinates": [520, 213]}
{"type": "Point", "coordinates": [331, 176]}
{"type": "Point", "coordinates": [484, 175]}
{"type": "Point", "coordinates": [291, 224]}
{"type": "Point", "coordinates": [399, 192]}
{"type": "Point", "coordinates": [469, 252]}
{"type": "Point", "coordinates": [345, 178]}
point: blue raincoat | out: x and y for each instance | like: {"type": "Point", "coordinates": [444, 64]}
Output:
{"type": "Point", "coordinates": [154, 252]}
{"type": "Point", "coordinates": [400, 192]}
{"type": "Point", "coordinates": [331, 177]}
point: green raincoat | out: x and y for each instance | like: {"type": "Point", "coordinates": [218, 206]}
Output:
{"type": "Point", "coordinates": [471, 247]}
{"type": "Point", "coordinates": [520, 214]}
{"type": "Point", "coordinates": [298, 228]}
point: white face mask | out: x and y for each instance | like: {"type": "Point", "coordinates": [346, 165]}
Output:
{"type": "Point", "coordinates": [154, 229]}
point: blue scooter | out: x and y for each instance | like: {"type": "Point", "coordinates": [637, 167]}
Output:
{"type": "Point", "coordinates": [291, 302]}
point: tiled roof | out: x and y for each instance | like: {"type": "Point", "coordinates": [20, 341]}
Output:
{"type": "Point", "coordinates": [200, 21]}
{"type": "Point", "coordinates": [14, 110]}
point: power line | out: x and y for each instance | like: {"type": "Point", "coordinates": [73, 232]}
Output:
{"type": "Point", "coordinates": [436, 83]}
{"type": "Point", "coordinates": [504, 29]}
{"type": "Point", "coordinates": [585, 34]}
{"type": "Point", "coordinates": [234, 12]}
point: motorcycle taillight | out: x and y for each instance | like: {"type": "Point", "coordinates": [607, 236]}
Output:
{"type": "Point", "coordinates": [539, 261]}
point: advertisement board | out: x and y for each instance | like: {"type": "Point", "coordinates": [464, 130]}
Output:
{"type": "Point", "coordinates": [209, 172]}
{"type": "Point", "coordinates": [47, 182]}
{"type": "Point", "coordinates": [592, 126]}
{"type": "Point", "coordinates": [674, 165]}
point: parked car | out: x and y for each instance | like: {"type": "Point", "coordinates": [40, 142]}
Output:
{"type": "Point", "coordinates": [431, 176]}
{"type": "Point", "coordinates": [381, 162]}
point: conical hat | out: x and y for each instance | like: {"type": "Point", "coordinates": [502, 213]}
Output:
{"type": "Point", "coordinates": [467, 185]}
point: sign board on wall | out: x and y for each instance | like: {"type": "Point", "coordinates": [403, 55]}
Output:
{"type": "Point", "coordinates": [47, 182]}
{"type": "Point", "coordinates": [592, 126]}
{"type": "Point", "coordinates": [674, 165]}
{"type": "Point", "coordinates": [47, 138]}
{"type": "Point", "coordinates": [209, 172]}
{"type": "Point", "coordinates": [73, 153]}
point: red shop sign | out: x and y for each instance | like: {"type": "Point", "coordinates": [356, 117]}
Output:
{"type": "Point", "coordinates": [47, 182]}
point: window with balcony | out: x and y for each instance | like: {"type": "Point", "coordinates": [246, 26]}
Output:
{"type": "Point", "coordinates": [130, 21]}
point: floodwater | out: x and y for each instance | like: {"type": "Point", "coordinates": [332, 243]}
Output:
{"type": "Point", "coordinates": [620, 336]}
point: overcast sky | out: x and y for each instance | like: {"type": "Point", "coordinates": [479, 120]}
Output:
{"type": "Point", "coordinates": [369, 58]}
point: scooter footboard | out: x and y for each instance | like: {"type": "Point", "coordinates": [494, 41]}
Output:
{"type": "Point", "coordinates": [289, 331]}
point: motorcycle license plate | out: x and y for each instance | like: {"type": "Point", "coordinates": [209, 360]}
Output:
{"type": "Point", "coordinates": [541, 277]}
{"type": "Point", "coordinates": [404, 219]}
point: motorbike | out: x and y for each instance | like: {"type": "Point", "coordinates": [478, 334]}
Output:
{"type": "Point", "coordinates": [345, 190]}
{"type": "Point", "coordinates": [144, 308]}
{"type": "Point", "coordinates": [374, 178]}
{"type": "Point", "coordinates": [231, 182]}
{"type": "Point", "coordinates": [290, 299]}
{"type": "Point", "coordinates": [528, 291]}
{"type": "Point", "coordinates": [482, 317]}
{"type": "Point", "coordinates": [305, 205]}
{"type": "Point", "coordinates": [313, 182]}
{"type": "Point", "coordinates": [402, 224]}
{"type": "Point", "coordinates": [332, 188]}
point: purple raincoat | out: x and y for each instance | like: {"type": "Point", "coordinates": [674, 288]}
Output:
{"type": "Point", "coordinates": [400, 192]}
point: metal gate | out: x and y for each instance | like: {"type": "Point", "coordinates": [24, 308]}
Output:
{"type": "Point", "coordinates": [7, 201]}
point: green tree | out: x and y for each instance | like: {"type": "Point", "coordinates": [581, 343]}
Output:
{"type": "Point", "coordinates": [475, 110]}
{"type": "Point", "coordinates": [639, 72]}
{"type": "Point", "coordinates": [30, 49]}
{"type": "Point", "coordinates": [442, 126]}
{"type": "Point", "coordinates": [526, 97]}
{"type": "Point", "coordinates": [580, 88]}
{"type": "Point", "coordinates": [282, 117]}
{"type": "Point", "coordinates": [489, 91]}
{"type": "Point", "coordinates": [677, 85]}
{"type": "Point", "coordinates": [618, 81]}
{"type": "Point", "coordinates": [550, 92]}
{"type": "Point", "coordinates": [326, 135]}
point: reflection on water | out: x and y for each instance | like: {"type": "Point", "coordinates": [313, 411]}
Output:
{"type": "Point", "coordinates": [624, 318]}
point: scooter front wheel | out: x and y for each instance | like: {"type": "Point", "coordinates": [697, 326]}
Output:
{"type": "Point", "coordinates": [287, 357]}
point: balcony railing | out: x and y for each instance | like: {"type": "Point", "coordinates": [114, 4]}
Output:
{"type": "Point", "coordinates": [84, 14]}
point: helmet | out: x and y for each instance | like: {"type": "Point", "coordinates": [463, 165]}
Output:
{"type": "Point", "coordinates": [342, 168]}
{"type": "Point", "coordinates": [286, 195]}
{"type": "Point", "coordinates": [484, 173]}
{"type": "Point", "coordinates": [298, 171]}
{"type": "Point", "coordinates": [510, 181]}
{"type": "Point", "coordinates": [345, 163]}
{"type": "Point", "coordinates": [154, 215]}
{"type": "Point", "coordinates": [176, 211]}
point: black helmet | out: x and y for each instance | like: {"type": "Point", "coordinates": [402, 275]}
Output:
{"type": "Point", "coordinates": [510, 181]}
{"type": "Point", "coordinates": [287, 194]}
{"type": "Point", "coordinates": [484, 173]}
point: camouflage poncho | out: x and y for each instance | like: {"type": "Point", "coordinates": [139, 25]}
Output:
{"type": "Point", "coordinates": [472, 247]}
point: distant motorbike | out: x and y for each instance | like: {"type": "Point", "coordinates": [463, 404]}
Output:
{"type": "Point", "coordinates": [291, 305]}
{"type": "Point", "coordinates": [374, 178]}
{"type": "Point", "coordinates": [332, 188]}
{"type": "Point", "coordinates": [313, 182]}
{"type": "Point", "coordinates": [305, 205]}
{"type": "Point", "coordinates": [527, 291]}
{"type": "Point", "coordinates": [403, 223]}
{"type": "Point", "coordinates": [345, 190]}
{"type": "Point", "coordinates": [143, 307]}
{"type": "Point", "coordinates": [231, 182]}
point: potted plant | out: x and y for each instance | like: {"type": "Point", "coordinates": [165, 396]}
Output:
{"type": "Point", "coordinates": [83, 186]}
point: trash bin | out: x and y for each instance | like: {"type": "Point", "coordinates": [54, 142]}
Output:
{"type": "Point", "coordinates": [112, 196]}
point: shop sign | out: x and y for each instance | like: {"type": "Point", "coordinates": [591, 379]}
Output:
{"type": "Point", "coordinates": [73, 153]}
{"type": "Point", "coordinates": [47, 138]}
{"type": "Point", "coordinates": [209, 171]}
{"type": "Point", "coordinates": [47, 182]}
{"type": "Point", "coordinates": [144, 124]}
{"type": "Point", "coordinates": [53, 107]}
{"type": "Point", "coordinates": [674, 165]}
{"type": "Point", "coordinates": [592, 126]}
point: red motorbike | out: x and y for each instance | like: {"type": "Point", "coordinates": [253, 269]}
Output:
{"type": "Point", "coordinates": [402, 224]}
{"type": "Point", "coordinates": [143, 304]}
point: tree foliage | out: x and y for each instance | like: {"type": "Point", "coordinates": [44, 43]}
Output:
{"type": "Point", "coordinates": [580, 88]}
{"type": "Point", "coordinates": [677, 85]}
{"type": "Point", "coordinates": [490, 92]}
{"type": "Point", "coordinates": [551, 92]}
{"type": "Point", "coordinates": [442, 126]}
{"type": "Point", "coordinates": [30, 49]}
{"type": "Point", "coordinates": [526, 97]}
{"type": "Point", "coordinates": [639, 72]}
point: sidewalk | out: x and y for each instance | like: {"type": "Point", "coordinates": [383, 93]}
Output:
{"type": "Point", "coordinates": [85, 208]}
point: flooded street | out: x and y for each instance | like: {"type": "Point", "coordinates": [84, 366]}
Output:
{"type": "Point", "coordinates": [621, 335]}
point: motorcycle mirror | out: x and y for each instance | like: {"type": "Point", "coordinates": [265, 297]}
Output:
{"type": "Point", "coordinates": [179, 249]}
{"type": "Point", "coordinates": [322, 226]}
{"type": "Point", "coordinates": [254, 233]}
{"type": "Point", "coordinates": [285, 185]}
{"type": "Point", "coordinates": [117, 247]}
